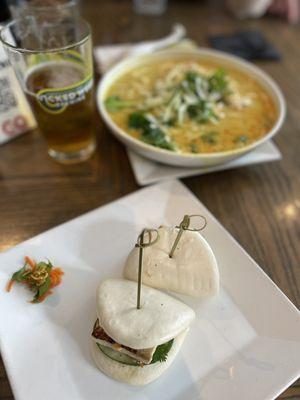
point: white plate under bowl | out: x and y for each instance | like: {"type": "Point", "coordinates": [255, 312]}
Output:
{"type": "Point", "coordinates": [188, 160]}
{"type": "Point", "coordinates": [243, 345]}
{"type": "Point", "coordinates": [147, 172]}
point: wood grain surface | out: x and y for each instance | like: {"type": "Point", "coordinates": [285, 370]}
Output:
{"type": "Point", "coordinates": [259, 205]}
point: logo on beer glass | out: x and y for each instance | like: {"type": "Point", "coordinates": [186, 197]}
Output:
{"type": "Point", "coordinates": [55, 101]}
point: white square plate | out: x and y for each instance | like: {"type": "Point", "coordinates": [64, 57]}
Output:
{"type": "Point", "coordinates": [243, 345]}
{"type": "Point", "coordinates": [147, 171]}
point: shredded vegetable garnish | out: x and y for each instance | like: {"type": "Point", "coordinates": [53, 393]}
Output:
{"type": "Point", "coordinates": [40, 278]}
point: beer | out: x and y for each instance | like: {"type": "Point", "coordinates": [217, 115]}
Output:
{"type": "Point", "coordinates": [54, 65]}
{"type": "Point", "coordinates": [61, 97]}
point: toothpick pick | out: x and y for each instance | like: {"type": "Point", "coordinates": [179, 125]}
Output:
{"type": "Point", "coordinates": [184, 226]}
{"type": "Point", "coordinates": [141, 244]}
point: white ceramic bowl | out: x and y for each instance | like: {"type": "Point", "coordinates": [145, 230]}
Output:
{"type": "Point", "coordinates": [189, 160]}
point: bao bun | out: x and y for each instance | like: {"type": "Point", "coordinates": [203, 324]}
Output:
{"type": "Point", "coordinates": [192, 270]}
{"type": "Point", "coordinates": [160, 319]}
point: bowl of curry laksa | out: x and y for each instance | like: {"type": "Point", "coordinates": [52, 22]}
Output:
{"type": "Point", "coordinates": [190, 108]}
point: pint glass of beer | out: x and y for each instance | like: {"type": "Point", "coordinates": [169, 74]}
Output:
{"type": "Point", "coordinates": [53, 62]}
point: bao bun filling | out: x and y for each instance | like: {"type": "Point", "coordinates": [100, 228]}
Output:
{"type": "Point", "coordinates": [140, 356]}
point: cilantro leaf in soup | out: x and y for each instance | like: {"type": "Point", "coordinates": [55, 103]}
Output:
{"type": "Point", "coordinates": [241, 139]}
{"type": "Point", "coordinates": [151, 133]}
{"type": "Point", "coordinates": [218, 83]}
{"type": "Point", "coordinates": [157, 138]}
{"type": "Point", "coordinates": [210, 137]}
{"type": "Point", "coordinates": [202, 112]}
{"type": "Point", "coordinates": [191, 76]}
{"type": "Point", "coordinates": [193, 148]}
{"type": "Point", "coordinates": [138, 120]}
{"type": "Point", "coordinates": [115, 103]}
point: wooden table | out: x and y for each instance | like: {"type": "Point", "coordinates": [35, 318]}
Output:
{"type": "Point", "coordinates": [259, 205]}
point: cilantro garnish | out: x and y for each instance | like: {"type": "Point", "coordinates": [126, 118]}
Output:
{"type": "Point", "coordinates": [161, 352]}
{"type": "Point", "coordinates": [38, 277]}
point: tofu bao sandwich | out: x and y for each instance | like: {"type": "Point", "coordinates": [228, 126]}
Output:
{"type": "Point", "coordinates": [139, 330]}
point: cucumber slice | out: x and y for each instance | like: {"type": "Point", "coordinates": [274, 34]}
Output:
{"type": "Point", "coordinates": [117, 356]}
{"type": "Point", "coordinates": [160, 354]}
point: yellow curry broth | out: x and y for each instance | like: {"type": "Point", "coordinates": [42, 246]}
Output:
{"type": "Point", "coordinates": [253, 120]}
